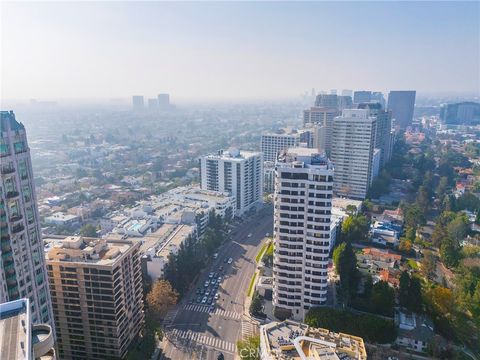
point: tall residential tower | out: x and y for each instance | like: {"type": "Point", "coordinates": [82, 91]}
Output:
{"type": "Point", "coordinates": [22, 265]}
{"type": "Point", "coordinates": [303, 202]}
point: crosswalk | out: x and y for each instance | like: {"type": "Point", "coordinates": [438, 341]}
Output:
{"type": "Point", "coordinates": [203, 339]}
{"type": "Point", "coordinates": [248, 329]}
{"type": "Point", "coordinates": [171, 315]}
{"type": "Point", "coordinates": [219, 312]}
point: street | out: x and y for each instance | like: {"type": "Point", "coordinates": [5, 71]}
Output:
{"type": "Point", "coordinates": [193, 330]}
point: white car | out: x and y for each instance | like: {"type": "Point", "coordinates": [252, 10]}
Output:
{"type": "Point", "coordinates": [215, 256]}
{"type": "Point", "coordinates": [204, 300]}
{"type": "Point", "coordinates": [217, 296]}
{"type": "Point", "coordinates": [207, 293]}
{"type": "Point", "coordinates": [207, 283]}
{"type": "Point", "coordinates": [230, 260]}
{"type": "Point", "coordinates": [250, 235]}
{"type": "Point", "coordinates": [210, 275]}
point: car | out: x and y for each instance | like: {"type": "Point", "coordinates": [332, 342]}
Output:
{"type": "Point", "coordinates": [199, 299]}
{"type": "Point", "coordinates": [215, 256]}
{"type": "Point", "coordinates": [219, 279]}
{"type": "Point", "coordinates": [213, 282]}
{"type": "Point", "coordinates": [210, 300]}
{"type": "Point", "coordinates": [230, 260]}
{"type": "Point", "coordinates": [207, 283]}
{"type": "Point", "coordinates": [207, 292]}
{"type": "Point", "coordinates": [220, 269]}
{"type": "Point", "coordinates": [216, 297]}
{"type": "Point", "coordinates": [204, 300]}
{"type": "Point", "coordinates": [267, 234]}
{"type": "Point", "coordinates": [211, 308]}
{"type": "Point", "coordinates": [210, 275]}
{"type": "Point", "coordinates": [215, 274]}
{"type": "Point", "coordinates": [249, 235]}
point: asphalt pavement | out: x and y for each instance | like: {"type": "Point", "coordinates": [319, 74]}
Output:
{"type": "Point", "coordinates": [196, 332]}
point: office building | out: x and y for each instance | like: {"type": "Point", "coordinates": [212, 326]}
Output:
{"type": "Point", "coordinates": [163, 101]}
{"type": "Point", "coordinates": [464, 113]}
{"type": "Point", "coordinates": [402, 105]}
{"type": "Point", "coordinates": [352, 152]}
{"type": "Point", "coordinates": [22, 266]}
{"type": "Point", "coordinates": [96, 287]}
{"type": "Point", "coordinates": [377, 96]}
{"type": "Point", "coordinates": [152, 104]}
{"type": "Point", "coordinates": [362, 96]}
{"type": "Point", "coordinates": [302, 210]}
{"type": "Point", "coordinates": [344, 102]}
{"type": "Point", "coordinates": [326, 100]}
{"type": "Point", "coordinates": [289, 340]}
{"type": "Point", "coordinates": [347, 92]}
{"type": "Point", "coordinates": [20, 339]}
{"type": "Point", "coordinates": [269, 177]}
{"type": "Point", "coordinates": [240, 173]}
{"type": "Point", "coordinates": [138, 103]}
{"type": "Point", "coordinates": [273, 143]}
{"type": "Point", "coordinates": [383, 130]}
{"type": "Point", "coordinates": [323, 116]}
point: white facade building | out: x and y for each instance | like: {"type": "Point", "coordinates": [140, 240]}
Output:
{"type": "Point", "coordinates": [353, 145]}
{"type": "Point", "coordinates": [273, 143]}
{"type": "Point", "coordinates": [22, 264]}
{"type": "Point", "coordinates": [240, 173]}
{"type": "Point", "coordinates": [302, 210]}
{"type": "Point", "coordinates": [322, 116]}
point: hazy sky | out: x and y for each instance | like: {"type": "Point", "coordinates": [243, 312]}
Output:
{"type": "Point", "coordinates": [236, 50]}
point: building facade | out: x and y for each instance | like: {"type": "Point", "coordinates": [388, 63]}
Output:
{"type": "Point", "coordinates": [322, 116]}
{"type": "Point", "coordinates": [362, 96]}
{"type": "Point", "coordinates": [22, 266]}
{"type": "Point", "coordinates": [138, 102]}
{"type": "Point", "coordinates": [273, 143]}
{"type": "Point", "coordinates": [96, 287]}
{"type": "Point", "coordinates": [402, 105]}
{"type": "Point", "coordinates": [240, 173]}
{"type": "Point", "coordinates": [353, 145]}
{"type": "Point", "coordinates": [302, 210]}
{"type": "Point", "coordinates": [460, 113]}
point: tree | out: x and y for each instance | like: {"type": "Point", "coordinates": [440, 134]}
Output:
{"type": "Point", "coordinates": [403, 288]}
{"type": "Point", "coordinates": [161, 298]}
{"type": "Point", "coordinates": [249, 349]}
{"type": "Point", "coordinates": [368, 287]}
{"type": "Point", "coordinates": [88, 230]}
{"type": "Point", "coordinates": [414, 216]}
{"type": "Point", "coordinates": [442, 187]}
{"type": "Point", "coordinates": [383, 298]}
{"type": "Point", "coordinates": [256, 306]}
{"type": "Point", "coordinates": [355, 228]}
{"type": "Point", "coordinates": [414, 303]}
{"type": "Point", "coordinates": [457, 229]}
{"type": "Point", "coordinates": [405, 245]}
{"type": "Point", "coordinates": [346, 266]}
{"type": "Point", "coordinates": [423, 199]}
{"type": "Point", "coordinates": [429, 264]}
{"type": "Point", "coordinates": [449, 252]}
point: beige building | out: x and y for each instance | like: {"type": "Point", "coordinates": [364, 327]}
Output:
{"type": "Point", "coordinates": [296, 341]}
{"type": "Point", "coordinates": [96, 289]}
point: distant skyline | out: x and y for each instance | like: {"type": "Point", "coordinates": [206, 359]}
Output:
{"type": "Point", "coordinates": [236, 50]}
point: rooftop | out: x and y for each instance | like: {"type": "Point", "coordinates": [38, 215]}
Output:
{"type": "Point", "coordinates": [301, 157]}
{"type": "Point", "coordinates": [78, 249]}
{"type": "Point", "coordinates": [14, 323]}
{"type": "Point", "coordinates": [292, 340]}
{"type": "Point", "coordinates": [233, 154]}
{"type": "Point", "coordinates": [8, 121]}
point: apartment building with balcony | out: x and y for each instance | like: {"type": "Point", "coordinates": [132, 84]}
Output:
{"type": "Point", "coordinates": [302, 212]}
{"type": "Point", "coordinates": [239, 173]}
{"type": "Point", "coordinates": [96, 288]}
{"type": "Point", "coordinates": [22, 265]}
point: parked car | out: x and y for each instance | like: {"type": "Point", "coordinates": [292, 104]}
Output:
{"type": "Point", "coordinates": [210, 300]}
{"type": "Point", "coordinates": [216, 296]}
{"type": "Point", "coordinates": [215, 256]}
{"type": "Point", "coordinates": [210, 275]}
{"type": "Point", "coordinates": [207, 283]}
{"type": "Point", "coordinates": [199, 299]}
{"type": "Point", "coordinates": [204, 300]}
{"type": "Point", "coordinates": [249, 235]}
{"type": "Point", "coordinates": [230, 260]}
{"type": "Point", "coordinates": [207, 292]}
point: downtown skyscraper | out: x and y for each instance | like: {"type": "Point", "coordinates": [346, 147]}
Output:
{"type": "Point", "coordinates": [22, 264]}
{"type": "Point", "coordinates": [302, 234]}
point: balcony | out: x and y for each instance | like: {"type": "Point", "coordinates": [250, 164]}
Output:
{"type": "Point", "coordinates": [16, 217]}
{"type": "Point", "coordinates": [12, 194]}
{"type": "Point", "coordinates": [11, 281]}
{"type": "Point", "coordinates": [7, 170]}
{"type": "Point", "coordinates": [18, 228]}
{"type": "Point", "coordinates": [6, 247]}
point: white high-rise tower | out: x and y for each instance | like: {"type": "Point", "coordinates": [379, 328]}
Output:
{"type": "Point", "coordinates": [303, 202]}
